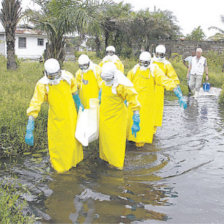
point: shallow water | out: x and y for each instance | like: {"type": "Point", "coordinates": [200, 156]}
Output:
{"type": "Point", "coordinates": [177, 179]}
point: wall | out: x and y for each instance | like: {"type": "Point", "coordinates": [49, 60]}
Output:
{"type": "Point", "coordinates": [2, 44]}
{"type": "Point", "coordinates": [185, 47]}
{"type": "Point", "coordinates": [32, 50]}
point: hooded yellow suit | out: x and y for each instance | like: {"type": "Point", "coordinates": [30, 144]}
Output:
{"type": "Point", "coordinates": [114, 59]}
{"type": "Point", "coordinates": [169, 71]}
{"type": "Point", "coordinates": [113, 122]}
{"type": "Point", "coordinates": [89, 84]}
{"type": "Point", "coordinates": [145, 82]}
{"type": "Point", "coordinates": [65, 151]}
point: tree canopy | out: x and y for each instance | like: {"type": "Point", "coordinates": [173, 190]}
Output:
{"type": "Point", "coordinates": [197, 34]}
{"type": "Point", "coordinates": [102, 23]}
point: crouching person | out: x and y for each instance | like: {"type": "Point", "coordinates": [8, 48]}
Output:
{"type": "Point", "coordinates": [59, 89]}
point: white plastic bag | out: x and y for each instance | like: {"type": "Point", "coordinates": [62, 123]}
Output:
{"type": "Point", "coordinates": [81, 126]}
{"type": "Point", "coordinates": [87, 128]}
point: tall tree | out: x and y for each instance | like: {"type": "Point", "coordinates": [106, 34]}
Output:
{"type": "Point", "coordinates": [11, 13]}
{"type": "Point", "coordinates": [197, 34]}
{"type": "Point", "coordinates": [60, 17]}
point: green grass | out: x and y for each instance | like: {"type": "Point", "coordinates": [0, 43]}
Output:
{"type": "Point", "coordinates": [16, 90]}
{"type": "Point", "coordinates": [12, 206]}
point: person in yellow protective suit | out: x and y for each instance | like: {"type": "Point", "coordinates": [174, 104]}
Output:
{"type": "Point", "coordinates": [58, 88]}
{"type": "Point", "coordinates": [169, 71]}
{"type": "Point", "coordinates": [113, 115]}
{"type": "Point", "coordinates": [111, 57]}
{"type": "Point", "coordinates": [144, 76]}
{"type": "Point", "coordinates": [88, 80]}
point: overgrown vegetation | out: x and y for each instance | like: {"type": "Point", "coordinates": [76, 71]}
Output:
{"type": "Point", "coordinates": [16, 89]}
{"type": "Point", "coordinates": [12, 206]}
{"type": "Point", "coordinates": [101, 23]}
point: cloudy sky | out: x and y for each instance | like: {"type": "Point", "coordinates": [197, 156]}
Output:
{"type": "Point", "coordinates": [189, 13]}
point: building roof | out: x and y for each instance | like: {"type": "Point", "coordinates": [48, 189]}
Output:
{"type": "Point", "coordinates": [29, 32]}
{"type": "Point", "coordinates": [25, 30]}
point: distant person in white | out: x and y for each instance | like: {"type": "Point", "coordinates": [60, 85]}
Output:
{"type": "Point", "coordinates": [197, 67]}
{"type": "Point", "coordinates": [187, 62]}
{"type": "Point", "coordinates": [188, 59]}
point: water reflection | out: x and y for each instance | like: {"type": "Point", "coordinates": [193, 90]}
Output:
{"type": "Point", "coordinates": [176, 179]}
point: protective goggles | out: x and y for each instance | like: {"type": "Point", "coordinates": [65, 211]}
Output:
{"type": "Point", "coordinates": [110, 53]}
{"type": "Point", "coordinates": [144, 63]}
{"type": "Point", "coordinates": [53, 76]}
{"type": "Point", "coordinates": [160, 55]}
{"type": "Point", "coordinates": [107, 77]}
{"type": "Point", "coordinates": [84, 66]}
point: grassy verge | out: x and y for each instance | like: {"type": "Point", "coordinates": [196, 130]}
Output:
{"type": "Point", "coordinates": [16, 90]}
{"type": "Point", "coordinates": [12, 207]}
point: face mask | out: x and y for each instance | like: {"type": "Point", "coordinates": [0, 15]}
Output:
{"type": "Point", "coordinates": [160, 57]}
{"type": "Point", "coordinates": [54, 82]}
{"type": "Point", "coordinates": [110, 53]}
{"type": "Point", "coordinates": [109, 82]}
{"type": "Point", "coordinates": [53, 78]}
{"type": "Point", "coordinates": [84, 67]}
{"type": "Point", "coordinates": [110, 58]}
{"type": "Point", "coordinates": [144, 65]}
{"type": "Point", "coordinates": [108, 78]}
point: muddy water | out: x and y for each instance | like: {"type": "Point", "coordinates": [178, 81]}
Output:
{"type": "Point", "coordinates": [177, 179]}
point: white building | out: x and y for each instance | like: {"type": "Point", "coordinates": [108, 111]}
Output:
{"type": "Point", "coordinates": [29, 44]}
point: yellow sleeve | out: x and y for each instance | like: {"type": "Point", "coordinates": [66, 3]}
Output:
{"type": "Point", "coordinates": [101, 63]}
{"type": "Point", "coordinates": [130, 75]}
{"type": "Point", "coordinates": [74, 87]}
{"type": "Point", "coordinates": [78, 78]}
{"type": "Point", "coordinates": [120, 66]}
{"type": "Point", "coordinates": [162, 80]}
{"type": "Point", "coordinates": [171, 73]}
{"type": "Point", "coordinates": [39, 96]}
{"type": "Point", "coordinates": [129, 94]}
{"type": "Point", "coordinates": [98, 76]}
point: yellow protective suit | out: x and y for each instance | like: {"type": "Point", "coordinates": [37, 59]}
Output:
{"type": "Point", "coordinates": [169, 71]}
{"type": "Point", "coordinates": [89, 84]}
{"type": "Point", "coordinates": [117, 62]}
{"type": "Point", "coordinates": [144, 83]}
{"type": "Point", "coordinates": [113, 122]}
{"type": "Point", "coordinates": [65, 151]}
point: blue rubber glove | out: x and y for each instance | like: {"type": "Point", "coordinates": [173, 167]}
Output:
{"type": "Point", "coordinates": [99, 97]}
{"type": "Point", "coordinates": [29, 139]}
{"type": "Point", "coordinates": [78, 102]}
{"type": "Point", "coordinates": [181, 100]}
{"type": "Point", "coordinates": [136, 121]}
